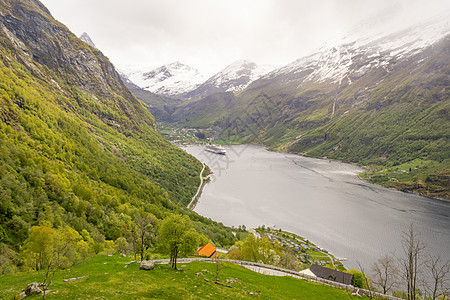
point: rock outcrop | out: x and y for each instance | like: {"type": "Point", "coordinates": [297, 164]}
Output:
{"type": "Point", "coordinates": [32, 289]}
{"type": "Point", "coordinates": [38, 39]}
{"type": "Point", "coordinates": [147, 265]}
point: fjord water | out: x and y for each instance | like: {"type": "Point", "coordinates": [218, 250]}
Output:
{"type": "Point", "coordinates": [321, 200]}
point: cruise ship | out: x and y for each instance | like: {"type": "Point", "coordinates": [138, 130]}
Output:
{"type": "Point", "coordinates": [216, 149]}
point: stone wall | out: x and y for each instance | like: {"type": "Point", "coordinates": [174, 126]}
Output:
{"type": "Point", "coordinates": [289, 273]}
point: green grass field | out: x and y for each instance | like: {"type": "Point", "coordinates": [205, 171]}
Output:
{"type": "Point", "coordinates": [426, 177]}
{"type": "Point", "coordinates": [107, 278]}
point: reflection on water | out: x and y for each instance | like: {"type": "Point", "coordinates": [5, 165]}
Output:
{"type": "Point", "coordinates": [321, 200]}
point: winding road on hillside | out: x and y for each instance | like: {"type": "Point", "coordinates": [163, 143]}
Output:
{"type": "Point", "coordinates": [198, 190]}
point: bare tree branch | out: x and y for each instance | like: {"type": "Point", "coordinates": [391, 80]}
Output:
{"type": "Point", "coordinates": [440, 271]}
{"type": "Point", "coordinates": [385, 273]}
{"type": "Point", "coordinates": [411, 264]}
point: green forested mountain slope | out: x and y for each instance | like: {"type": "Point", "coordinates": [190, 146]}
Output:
{"type": "Point", "coordinates": [390, 118]}
{"type": "Point", "coordinates": [76, 147]}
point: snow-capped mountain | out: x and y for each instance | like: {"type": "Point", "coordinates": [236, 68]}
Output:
{"type": "Point", "coordinates": [347, 58]}
{"type": "Point", "coordinates": [87, 39]}
{"type": "Point", "coordinates": [233, 78]}
{"type": "Point", "coordinates": [169, 80]}
{"type": "Point", "coordinates": [238, 75]}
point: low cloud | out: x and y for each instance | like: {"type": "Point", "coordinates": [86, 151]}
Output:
{"type": "Point", "coordinates": [211, 34]}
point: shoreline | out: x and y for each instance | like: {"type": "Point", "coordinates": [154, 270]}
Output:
{"type": "Point", "coordinates": [197, 195]}
{"type": "Point", "coordinates": [256, 160]}
{"type": "Point", "coordinates": [361, 177]}
{"type": "Point", "coordinates": [365, 168]}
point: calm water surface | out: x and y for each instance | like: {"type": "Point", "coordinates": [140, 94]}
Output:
{"type": "Point", "coordinates": [321, 200]}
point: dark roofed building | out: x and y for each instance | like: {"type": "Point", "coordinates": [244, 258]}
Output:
{"type": "Point", "coordinates": [331, 274]}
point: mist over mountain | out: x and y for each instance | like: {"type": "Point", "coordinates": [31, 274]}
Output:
{"type": "Point", "coordinates": [180, 81]}
{"type": "Point", "coordinates": [234, 78]}
{"type": "Point", "coordinates": [375, 100]}
{"type": "Point", "coordinates": [85, 170]}
{"type": "Point", "coordinates": [353, 54]}
{"type": "Point", "coordinates": [169, 80]}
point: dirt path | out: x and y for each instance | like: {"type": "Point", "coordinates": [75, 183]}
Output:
{"type": "Point", "coordinates": [271, 272]}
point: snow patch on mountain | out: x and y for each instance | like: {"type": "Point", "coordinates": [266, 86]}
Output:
{"type": "Point", "coordinates": [87, 39]}
{"type": "Point", "coordinates": [234, 78]}
{"type": "Point", "coordinates": [170, 80]}
{"type": "Point", "coordinates": [238, 75]}
{"type": "Point", "coordinates": [234, 71]}
{"type": "Point", "coordinates": [354, 55]}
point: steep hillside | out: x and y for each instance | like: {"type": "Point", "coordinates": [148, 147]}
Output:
{"type": "Point", "coordinates": [381, 101]}
{"type": "Point", "coordinates": [76, 147]}
{"type": "Point", "coordinates": [161, 107]}
{"type": "Point", "coordinates": [206, 112]}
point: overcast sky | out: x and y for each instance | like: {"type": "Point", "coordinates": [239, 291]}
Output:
{"type": "Point", "coordinates": [210, 34]}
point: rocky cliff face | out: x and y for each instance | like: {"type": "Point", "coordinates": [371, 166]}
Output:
{"type": "Point", "coordinates": [29, 29]}
{"type": "Point", "coordinates": [76, 147]}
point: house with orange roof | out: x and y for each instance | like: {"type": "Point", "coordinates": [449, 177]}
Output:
{"type": "Point", "coordinates": [207, 250]}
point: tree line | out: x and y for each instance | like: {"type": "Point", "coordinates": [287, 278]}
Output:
{"type": "Point", "coordinates": [262, 250]}
{"type": "Point", "coordinates": [62, 162]}
{"type": "Point", "coordinates": [50, 248]}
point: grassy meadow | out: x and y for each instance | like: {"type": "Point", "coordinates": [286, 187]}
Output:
{"type": "Point", "coordinates": [108, 278]}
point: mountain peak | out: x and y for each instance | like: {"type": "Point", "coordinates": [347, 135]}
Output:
{"type": "Point", "coordinates": [176, 64]}
{"type": "Point", "coordinates": [242, 71]}
{"type": "Point", "coordinates": [233, 78]}
{"type": "Point", "coordinates": [87, 39]}
{"type": "Point", "coordinates": [170, 80]}
{"type": "Point", "coordinates": [354, 54]}
{"type": "Point", "coordinates": [239, 65]}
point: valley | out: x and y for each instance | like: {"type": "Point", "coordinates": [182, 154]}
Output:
{"type": "Point", "coordinates": [78, 151]}
{"type": "Point", "coordinates": [321, 200]}
{"type": "Point", "coordinates": [374, 102]}
{"type": "Point", "coordinates": [99, 164]}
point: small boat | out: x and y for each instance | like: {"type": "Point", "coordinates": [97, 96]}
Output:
{"type": "Point", "coordinates": [215, 149]}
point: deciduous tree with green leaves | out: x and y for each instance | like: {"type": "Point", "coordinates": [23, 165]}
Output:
{"type": "Point", "coordinates": [177, 236]}
{"type": "Point", "coordinates": [51, 249]}
{"type": "Point", "coordinates": [250, 248]}
{"type": "Point", "coordinates": [38, 247]}
{"type": "Point", "coordinates": [145, 231]}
